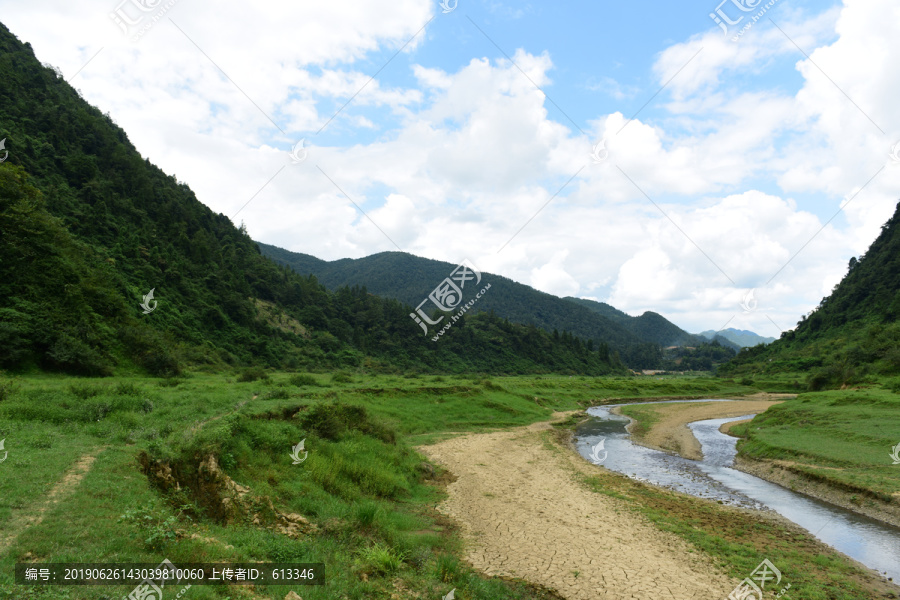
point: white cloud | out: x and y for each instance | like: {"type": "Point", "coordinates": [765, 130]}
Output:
{"type": "Point", "coordinates": [467, 157]}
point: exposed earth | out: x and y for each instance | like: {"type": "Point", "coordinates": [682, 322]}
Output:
{"type": "Point", "coordinates": [523, 513]}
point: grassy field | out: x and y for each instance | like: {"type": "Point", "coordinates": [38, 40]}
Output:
{"type": "Point", "coordinates": [843, 437]}
{"type": "Point", "coordinates": [370, 496]}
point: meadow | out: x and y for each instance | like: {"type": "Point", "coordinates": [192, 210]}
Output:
{"type": "Point", "coordinates": [153, 491]}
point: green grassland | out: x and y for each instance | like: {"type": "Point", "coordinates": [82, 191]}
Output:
{"type": "Point", "coordinates": [842, 437]}
{"type": "Point", "coordinates": [370, 495]}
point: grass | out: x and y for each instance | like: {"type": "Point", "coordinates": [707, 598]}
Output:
{"type": "Point", "coordinates": [843, 437]}
{"type": "Point", "coordinates": [370, 494]}
{"type": "Point", "coordinates": [645, 417]}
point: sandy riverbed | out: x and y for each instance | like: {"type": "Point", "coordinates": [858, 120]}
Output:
{"type": "Point", "coordinates": [671, 433]}
{"type": "Point", "coordinates": [524, 514]}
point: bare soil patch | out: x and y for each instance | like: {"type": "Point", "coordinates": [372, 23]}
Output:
{"type": "Point", "coordinates": [23, 519]}
{"type": "Point", "coordinates": [524, 513]}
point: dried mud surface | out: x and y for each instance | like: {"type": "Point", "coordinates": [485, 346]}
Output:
{"type": "Point", "coordinates": [524, 513]}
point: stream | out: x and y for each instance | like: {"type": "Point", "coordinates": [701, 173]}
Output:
{"type": "Point", "coordinates": [874, 544]}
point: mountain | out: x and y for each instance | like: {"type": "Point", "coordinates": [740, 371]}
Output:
{"type": "Point", "coordinates": [740, 337]}
{"type": "Point", "coordinates": [853, 335]}
{"type": "Point", "coordinates": [409, 279]}
{"type": "Point", "coordinates": [88, 229]}
{"type": "Point", "coordinates": [649, 327]}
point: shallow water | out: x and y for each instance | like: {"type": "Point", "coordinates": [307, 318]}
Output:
{"type": "Point", "coordinates": [872, 543]}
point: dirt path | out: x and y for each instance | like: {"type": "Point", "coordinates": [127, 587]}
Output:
{"type": "Point", "coordinates": [22, 519]}
{"type": "Point", "coordinates": [671, 433]}
{"type": "Point", "coordinates": [524, 514]}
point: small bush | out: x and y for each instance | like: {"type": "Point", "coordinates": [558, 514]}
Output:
{"type": "Point", "coordinates": [156, 529]}
{"type": "Point", "coordinates": [85, 391]}
{"type": "Point", "coordinates": [303, 379]}
{"type": "Point", "coordinates": [253, 374]}
{"type": "Point", "coordinates": [8, 388]}
{"type": "Point", "coordinates": [341, 377]}
{"type": "Point", "coordinates": [127, 389]}
{"type": "Point", "coordinates": [332, 421]}
{"type": "Point", "coordinates": [746, 381]}
{"type": "Point", "coordinates": [276, 395]}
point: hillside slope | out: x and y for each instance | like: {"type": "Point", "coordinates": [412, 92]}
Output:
{"type": "Point", "coordinates": [853, 334]}
{"type": "Point", "coordinates": [90, 227]}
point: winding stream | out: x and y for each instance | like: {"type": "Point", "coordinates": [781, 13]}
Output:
{"type": "Point", "coordinates": [871, 542]}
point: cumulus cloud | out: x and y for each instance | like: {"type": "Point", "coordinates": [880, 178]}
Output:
{"type": "Point", "coordinates": [689, 212]}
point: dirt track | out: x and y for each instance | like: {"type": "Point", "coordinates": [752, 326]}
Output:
{"type": "Point", "coordinates": [524, 514]}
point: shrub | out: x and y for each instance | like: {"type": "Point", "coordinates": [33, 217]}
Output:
{"type": "Point", "coordinates": [8, 387]}
{"type": "Point", "coordinates": [331, 421]}
{"type": "Point", "coordinates": [253, 374]}
{"type": "Point", "coordinates": [303, 379]}
{"type": "Point", "coordinates": [341, 377]}
{"type": "Point", "coordinates": [84, 391]}
{"type": "Point", "coordinates": [127, 389]}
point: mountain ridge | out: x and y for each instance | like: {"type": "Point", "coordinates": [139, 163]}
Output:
{"type": "Point", "coordinates": [403, 276]}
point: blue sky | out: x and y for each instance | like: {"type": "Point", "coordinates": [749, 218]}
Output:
{"type": "Point", "coordinates": [731, 173]}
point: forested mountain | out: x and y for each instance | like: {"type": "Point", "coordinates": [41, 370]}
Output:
{"type": "Point", "coordinates": [88, 228]}
{"type": "Point", "coordinates": [742, 338]}
{"type": "Point", "coordinates": [649, 327]}
{"type": "Point", "coordinates": [853, 333]}
{"type": "Point", "coordinates": [408, 278]}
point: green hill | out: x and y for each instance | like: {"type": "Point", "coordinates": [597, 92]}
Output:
{"type": "Point", "coordinates": [649, 327]}
{"type": "Point", "coordinates": [853, 335]}
{"type": "Point", "coordinates": [89, 227]}
{"type": "Point", "coordinates": [405, 277]}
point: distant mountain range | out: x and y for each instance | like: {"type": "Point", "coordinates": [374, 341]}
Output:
{"type": "Point", "coordinates": [409, 279]}
{"type": "Point", "coordinates": [740, 337]}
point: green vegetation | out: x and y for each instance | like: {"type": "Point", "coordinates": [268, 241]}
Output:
{"type": "Point", "coordinates": [645, 417]}
{"type": "Point", "coordinates": [638, 341]}
{"type": "Point", "coordinates": [843, 438]}
{"type": "Point", "coordinates": [739, 544]}
{"type": "Point", "coordinates": [853, 336]}
{"type": "Point", "coordinates": [368, 493]}
{"type": "Point", "coordinates": [90, 227]}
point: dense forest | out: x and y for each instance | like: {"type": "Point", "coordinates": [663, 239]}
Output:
{"type": "Point", "coordinates": [852, 334]}
{"type": "Point", "coordinates": [639, 341]}
{"type": "Point", "coordinates": [89, 227]}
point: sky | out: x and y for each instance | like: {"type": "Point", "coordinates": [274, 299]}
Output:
{"type": "Point", "coordinates": [639, 154]}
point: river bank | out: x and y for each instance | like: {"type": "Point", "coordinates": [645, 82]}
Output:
{"type": "Point", "coordinates": [665, 428]}
{"type": "Point", "coordinates": [529, 506]}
